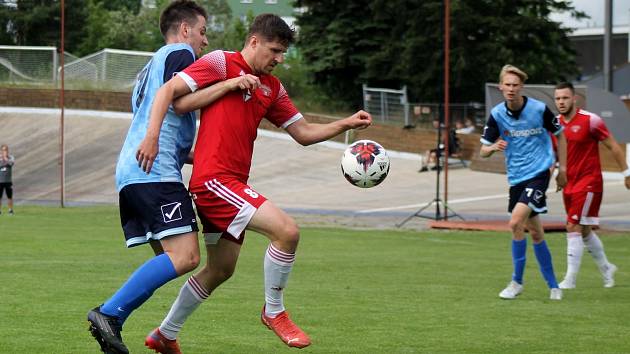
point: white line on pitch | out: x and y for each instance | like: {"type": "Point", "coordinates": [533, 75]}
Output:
{"type": "Point", "coordinates": [454, 201]}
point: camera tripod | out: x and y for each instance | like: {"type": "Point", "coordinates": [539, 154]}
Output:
{"type": "Point", "coordinates": [437, 201]}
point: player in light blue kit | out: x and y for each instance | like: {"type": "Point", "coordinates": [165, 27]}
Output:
{"type": "Point", "coordinates": [520, 128]}
{"type": "Point", "coordinates": [156, 207]}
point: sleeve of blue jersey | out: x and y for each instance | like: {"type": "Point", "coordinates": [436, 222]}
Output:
{"type": "Point", "coordinates": [177, 61]}
{"type": "Point", "coordinates": [490, 132]}
{"type": "Point", "coordinates": [551, 122]}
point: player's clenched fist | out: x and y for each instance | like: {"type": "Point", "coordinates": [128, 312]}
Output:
{"type": "Point", "coordinates": [361, 120]}
{"type": "Point", "coordinates": [500, 145]}
{"type": "Point", "coordinates": [244, 82]}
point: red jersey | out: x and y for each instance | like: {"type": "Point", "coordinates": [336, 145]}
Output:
{"type": "Point", "coordinates": [583, 133]}
{"type": "Point", "coordinates": [228, 127]}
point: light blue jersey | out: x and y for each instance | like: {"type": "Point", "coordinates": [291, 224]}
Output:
{"type": "Point", "coordinates": [529, 150]}
{"type": "Point", "coordinates": [177, 132]}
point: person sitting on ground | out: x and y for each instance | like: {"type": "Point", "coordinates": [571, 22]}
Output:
{"type": "Point", "coordinates": [465, 127]}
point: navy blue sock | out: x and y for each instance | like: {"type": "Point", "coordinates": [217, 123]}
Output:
{"type": "Point", "coordinates": [154, 273]}
{"type": "Point", "coordinates": [519, 251]}
{"type": "Point", "coordinates": [544, 262]}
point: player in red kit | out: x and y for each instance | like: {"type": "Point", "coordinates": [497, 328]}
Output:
{"type": "Point", "coordinates": [235, 91]}
{"type": "Point", "coordinates": [583, 193]}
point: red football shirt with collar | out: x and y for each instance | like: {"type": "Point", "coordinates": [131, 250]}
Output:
{"type": "Point", "coordinates": [583, 134]}
{"type": "Point", "coordinates": [228, 126]}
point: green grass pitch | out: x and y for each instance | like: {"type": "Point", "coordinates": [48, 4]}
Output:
{"type": "Point", "coordinates": [352, 291]}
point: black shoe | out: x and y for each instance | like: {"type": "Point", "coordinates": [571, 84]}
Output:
{"type": "Point", "coordinates": [10, 211]}
{"type": "Point", "coordinates": [106, 330]}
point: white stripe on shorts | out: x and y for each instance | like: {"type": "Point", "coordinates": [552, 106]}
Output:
{"type": "Point", "coordinates": [228, 191]}
{"type": "Point", "coordinates": [225, 194]}
{"type": "Point", "coordinates": [246, 210]}
{"type": "Point", "coordinates": [584, 218]}
{"type": "Point", "coordinates": [241, 220]}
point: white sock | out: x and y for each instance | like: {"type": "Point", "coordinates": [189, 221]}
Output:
{"type": "Point", "coordinates": [575, 249]}
{"type": "Point", "coordinates": [277, 267]}
{"type": "Point", "coordinates": [191, 295]}
{"type": "Point", "coordinates": [596, 249]}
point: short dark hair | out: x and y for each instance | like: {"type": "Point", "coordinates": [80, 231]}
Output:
{"type": "Point", "coordinates": [180, 11]}
{"type": "Point", "coordinates": [272, 28]}
{"type": "Point", "coordinates": [565, 85]}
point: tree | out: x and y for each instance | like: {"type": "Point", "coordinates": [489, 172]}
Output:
{"type": "Point", "coordinates": [335, 42]}
{"type": "Point", "coordinates": [392, 43]}
{"type": "Point", "coordinates": [38, 22]}
{"type": "Point", "coordinates": [120, 29]}
{"type": "Point", "coordinates": [96, 24]}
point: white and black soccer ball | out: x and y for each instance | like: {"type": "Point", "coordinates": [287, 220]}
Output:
{"type": "Point", "coordinates": [365, 163]}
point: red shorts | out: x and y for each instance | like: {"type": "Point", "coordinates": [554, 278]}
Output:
{"type": "Point", "coordinates": [582, 207]}
{"type": "Point", "coordinates": [225, 207]}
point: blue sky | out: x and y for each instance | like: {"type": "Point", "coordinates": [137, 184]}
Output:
{"type": "Point", "coordinates": [595, 9]}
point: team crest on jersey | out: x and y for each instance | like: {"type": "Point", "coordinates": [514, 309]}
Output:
{"type": "Point", "coordinates": [575, 128]}
{"type": "Point", "coordinates": [266, 90]}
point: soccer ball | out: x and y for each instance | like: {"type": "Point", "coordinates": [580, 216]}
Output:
{"type": "Point", "coordinates": [365, 163]}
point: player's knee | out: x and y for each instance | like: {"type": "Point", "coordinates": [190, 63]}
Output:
{"type": "Point", "coordinates": [291, 233]}
{"type": "Point", "coordinates": [573, 227]}
{"type": "Point", "coordinates": [536, 236]}
{"type": "Point", "coordinates": [288, 236]}
{"type": "Point", "coordinates": [223, 273]}
{"type": "Point", "coordinates": [213, 276]}
{"type": "Point", "coordinates": [186, 261]}
{"type": "Point", "coordinates": [516, 225]}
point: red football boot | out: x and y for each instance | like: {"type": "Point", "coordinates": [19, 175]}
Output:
{"type": "Point", "coordinates": [156, 341]}
{"type": "Point", "coordinates": [288, 331]}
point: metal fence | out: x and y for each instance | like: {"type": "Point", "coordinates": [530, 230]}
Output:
{"type": "Point", "coordinates": [387, 105]}
{"type": "Point", "coordinates": [423, 114]}
{"type": "Point", "coordinates": [392, 106]}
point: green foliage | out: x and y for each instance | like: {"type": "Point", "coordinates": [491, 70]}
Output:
{"type": "Point", "coordinates": [342, 44]}
{"type": "Point", "coordinates": [38, 23]}
{"type": "Point", "coordinates": [296, 78]}
{"type": "Point", "coordinates": [335, 39]}
{"type": "Point", "coordinates": [352, 291]}
{"type": "Point", "coordinates": [391, 43]}
{"type": "Point", "coordinates": [131, 5]}
{"type": "Point", "coordinates": [120, 29]}
{"type": "Point", "coordinates": [93, 25]}
{"type": "Point", "coordinates": [232, 34]}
